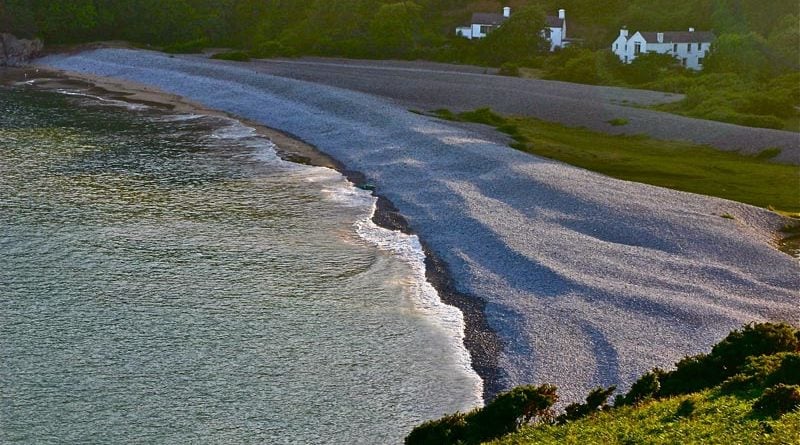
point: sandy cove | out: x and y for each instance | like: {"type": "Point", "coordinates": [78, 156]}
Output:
{"type": "Point", "coordinates": [579, 279]}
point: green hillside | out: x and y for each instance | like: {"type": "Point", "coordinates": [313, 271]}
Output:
{"type": "Point", "coordinates": [745, 391]}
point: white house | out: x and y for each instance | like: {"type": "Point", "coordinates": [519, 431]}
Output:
{"type": "Point", "coordinates": [688, 47]}
{"type": "Point", "coordinates": [483, 23]}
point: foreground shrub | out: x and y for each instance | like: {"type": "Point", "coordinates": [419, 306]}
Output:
{"type": "Point", "coordinates": [596, 400]}
{"type": "Point", "coordinates": [778, 400]}
{"type": "Point", "coordinates": [451, 428]}
{"type": "Point", "coordinates": [510, 410]}
{"type": "Point", "coordinates": [753, 340]}
{"type": "Point", "coordinates": [766, 370]}
{"type": "Point", "coordinates": [503, 415]}
{"type": "Point", "coordinates": [692, 374]}
{"type": "Point", "coordinates": [647, 387]}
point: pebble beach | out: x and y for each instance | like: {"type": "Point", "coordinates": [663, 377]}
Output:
{"type": "Point", "coordinates": [583, 280]}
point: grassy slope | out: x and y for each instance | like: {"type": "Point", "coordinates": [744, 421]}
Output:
{"type": "Point", "coordinates": [675, 165]}
{"type": "Point", "coordinates": [717, 419]}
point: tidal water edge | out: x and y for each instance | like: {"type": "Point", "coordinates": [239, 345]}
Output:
{"type": "Point", "coordinates": [167, 277]}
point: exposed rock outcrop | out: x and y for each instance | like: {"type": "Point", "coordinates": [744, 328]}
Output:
{"type": "Point", "coordinates": [18, 52]}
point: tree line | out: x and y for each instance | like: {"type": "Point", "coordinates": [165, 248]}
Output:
{"type": "Point", "coordinates": [750, 77]}
{"type": "Point", "coordinates": [374, 27]}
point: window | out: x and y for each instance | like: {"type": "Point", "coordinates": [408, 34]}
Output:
{"type": "Point", "coordinates": [485, 29]}
{"type": "Point", "coordinates": [699, 60]}
{"type": "Point", "coordinates": [698, 46]}
{"type": "Point", "coordinates": [637, 49]}
{"type": "Point", "coordinates": [683, 61]}
{"type": "Point", "coordinates": [675, 48]}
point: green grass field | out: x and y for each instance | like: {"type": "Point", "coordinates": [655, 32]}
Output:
{"type": "Point", "coordinates": [676, 165]}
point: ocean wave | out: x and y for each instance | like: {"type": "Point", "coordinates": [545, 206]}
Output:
{"type": "Point", "coordinates": [103, 100]}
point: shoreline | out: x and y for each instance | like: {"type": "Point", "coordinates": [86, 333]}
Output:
{"type": "Point", "coordinates": [588, 280]}
{"type": "Point", "coordinates": [482, 343]}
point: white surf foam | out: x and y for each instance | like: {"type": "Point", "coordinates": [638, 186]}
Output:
{"type": "Point", "coordinates": [103, 100]}
{"type": "Point", "coordinates": [425, 297]}
{"type": "Point", "coordinates": [180, 118]}
{"type": "Point", "coordinates": [407, 248]}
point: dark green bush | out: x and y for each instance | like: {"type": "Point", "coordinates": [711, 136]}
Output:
{"type": "Point", "coordinates": [449, 429]}
{"type": "Point", "coordinates": [190, 47]}
{"type": "Point", "coordinates": [648, 66]}
{"type": "Point", "coordinates": [595, 401]}
{"type": "Point", "coordinates": [755, 373]}
{"type": "Point", "coordinates": [236, 56]}
{"type": "Point", "coordinates": [751, 341]}
{"type": "Point", "coordinates": [509, 411]}
{"type": "Point", "coordinates": [509, 69]}
{"type": "Point", "coordinates": [692, 374]}
{"type": "Point", "coordinates": [271, 48]}
{"type": "Point", "coordinates": [647, 387]}
{"type": "Point", "coordinates": [789, 370]}
{"type": "Point", "coordinates": [505, 414]}
{"type": "Point", "coordinates": [778, 400]}
{"type": "Point", "coordinates": [580, 66]}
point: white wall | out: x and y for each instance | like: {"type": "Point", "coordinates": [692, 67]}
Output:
{"type": "Point", "coordinates": [476, 31]}
{"type": "Point", "coordinates": [464, 31]}
{"type": "Point", "coordinates": [556, 38]}
{"type": "Point", "coordinates": [687, 54]}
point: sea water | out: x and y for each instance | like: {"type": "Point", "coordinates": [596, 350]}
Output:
{"type": "Point", "coordinates": [167, 278]}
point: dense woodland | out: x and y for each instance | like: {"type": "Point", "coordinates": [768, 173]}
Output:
{"type": "Point", "coordinates": [751, 77]}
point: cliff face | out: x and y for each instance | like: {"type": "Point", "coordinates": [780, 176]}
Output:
{"type": "Point", "coordinates": [17, 52]}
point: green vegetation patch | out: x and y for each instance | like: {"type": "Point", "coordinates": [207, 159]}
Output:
{"type": "Point", "coordinates": [676, 165]}
{"type": "Point", "coordinates": [190, 47]}
{"type": "Point", "coordinates": [714, 417]}
{"type": "Point", "coordinates": [236, 56]}
{"type": "Point", "coordinates": [744, 391]}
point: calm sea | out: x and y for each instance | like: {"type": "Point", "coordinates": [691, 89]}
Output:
{"type": "Point", "coordinates": [166, 278]}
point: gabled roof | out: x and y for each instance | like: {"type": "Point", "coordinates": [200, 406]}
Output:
{"type": "Point", "coordinates": [488, 18]}
{"type": "Point", "coordinates": [680, 36]}
{"type": "Point", "coordinates": [554, 22]}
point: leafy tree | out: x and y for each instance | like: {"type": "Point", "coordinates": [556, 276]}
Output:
{"type": "Point", "coordinates": [66, 21]}
{"type": "Point", "coordinates": [519, 38]}
{"type": "Point", "coordinates": [649, 66]}
{"type": "Point", "coordinates": [783, 44]}
{"type": "Point", "coordinates": [738, 53]}
{"type": "Point", "coordinates": [395, 28]}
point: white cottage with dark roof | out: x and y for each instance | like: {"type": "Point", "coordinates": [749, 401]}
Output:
{"type": "Point", "coordinates": [688, 47]}
{"type": "Point", "coordinates": [483, 23]}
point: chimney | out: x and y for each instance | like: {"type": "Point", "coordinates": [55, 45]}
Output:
{"type": "Point", "coordinates": [623, 32]}
{"type": "Point", "coordinates": [691, 29]}
{"type": "Point", "coordinates": [507, 12]}
{"type": "Point", "coordinates": [562, 14]}
{"type": "Point", "coordinates": [660, 37]}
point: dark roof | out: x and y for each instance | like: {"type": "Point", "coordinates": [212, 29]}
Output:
{"type": "Point", "coordinates": [488, 18]}
{"type": "Point", "coordinates": [680, 36]}
{"type": "Point", "coordinates": [554, 22]}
